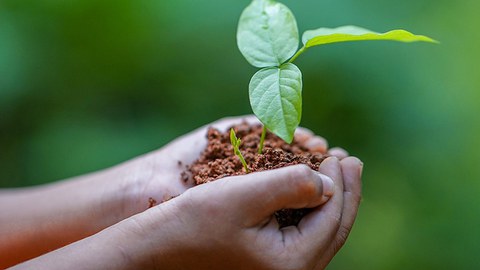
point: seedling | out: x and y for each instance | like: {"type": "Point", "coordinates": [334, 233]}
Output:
{"type": "Point", "coordinates": [236, 148]}
{"type": "Point", "coordinates": [268, 38]}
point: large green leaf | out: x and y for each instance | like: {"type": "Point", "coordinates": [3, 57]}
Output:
{"type": "Point", "coordinates": [276, 99]}
{"type": "Point", "coordinates": [267, 33]}
{"type": "Point", "coordinates": [322, 36]}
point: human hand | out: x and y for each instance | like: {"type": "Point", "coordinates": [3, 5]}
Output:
{"type": "Point", "coordinates": [229, 224]}
{"type": "Point", "coordinates": [157, 176]}
{"type": "Point", "coordinates": [216, 218]}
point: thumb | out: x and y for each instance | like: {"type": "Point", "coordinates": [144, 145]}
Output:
{"type": "Point", "coordinates": [256, 196]}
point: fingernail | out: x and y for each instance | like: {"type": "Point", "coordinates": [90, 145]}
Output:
{"type": "Point", "coordinates": [360, 165]}
{"type": "Point", "coordinates": [334, 158]}
{"type": "Point", "coordinates": [328, 185]}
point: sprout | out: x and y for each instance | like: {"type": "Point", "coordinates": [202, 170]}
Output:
{"type": "Point", "coordinates": [268, 38]}
{"type": "Point", "coordinates": [236, 148]}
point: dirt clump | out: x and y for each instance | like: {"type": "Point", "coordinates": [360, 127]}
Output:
{"type": "Point", "coordinates": [218, 160]}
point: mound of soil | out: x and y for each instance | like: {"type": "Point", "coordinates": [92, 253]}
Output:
{"type": "Point", "coordinates": [218, 160]}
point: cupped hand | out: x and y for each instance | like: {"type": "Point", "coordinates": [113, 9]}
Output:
{"type": "Point", "coordinates": [229, 223]}
{"type": "Point", "coordinates": [85, 205]}
{"type": "Point", "coordinates": [156, 177]}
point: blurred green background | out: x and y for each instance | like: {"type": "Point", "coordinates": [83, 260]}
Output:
{"type": "Point", "coordinates": [86, 84]}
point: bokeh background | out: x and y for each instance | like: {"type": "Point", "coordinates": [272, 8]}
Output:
{"type": "Point", "coordinates": [86, 84]}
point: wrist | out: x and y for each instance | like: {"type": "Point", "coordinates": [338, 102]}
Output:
{"type": "Point", "coordinates": [122, 191]}
{"type": "Point", "coordinates": [149, 240]}
{"type": "Point", "coordinates": [144, 182]}
{"type": "Point", "coordinates": [126, 191]}
{"type": "Point", "coordinates": [117, 193]}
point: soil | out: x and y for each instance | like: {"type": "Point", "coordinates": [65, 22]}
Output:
{"type": "Point", "coordinates": [218, 160]}
{"type": "Point", "coordinates": [151, 202]}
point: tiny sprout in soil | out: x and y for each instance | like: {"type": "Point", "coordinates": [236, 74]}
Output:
{"type": "Point", "coordinates": [268, 38]}
{"type": "Point", "coordinates": [236, 148]}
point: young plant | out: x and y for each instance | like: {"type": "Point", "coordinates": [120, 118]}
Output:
{"type": "Point", "coordinates": [268, 38]}
{"type": "Point", "coordinates": [236, 148]}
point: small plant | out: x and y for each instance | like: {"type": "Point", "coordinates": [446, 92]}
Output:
{"type": "Point", "coordinates": [268, 38]}
{"type": "Point", "coordinates": [236, 148]}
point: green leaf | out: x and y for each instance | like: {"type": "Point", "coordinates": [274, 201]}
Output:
{"type": "Point", "coordinates": [233, 139]}
{"type": "Point", "coordinates": [267, 33]}
{"type": "Point", "coordinates": [322, 36]}
{"type": "Point", "coordinates": [276, 99]}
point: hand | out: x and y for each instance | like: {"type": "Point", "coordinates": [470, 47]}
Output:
{"type": "Point", "coordinates": [157, 175]}
{"type": "Point", "coordinates": [180, 219]}
{"type": "Point", "coordinates": [229, 224]}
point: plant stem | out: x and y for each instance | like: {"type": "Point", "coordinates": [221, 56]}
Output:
{"type": "Point", "coordinates": [262, 140]}
{"type": "Point", "coordinates": [302, 50]}
{"type": "Point", "coordinates": [244, 163]}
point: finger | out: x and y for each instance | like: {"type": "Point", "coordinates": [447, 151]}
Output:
{"type": "Point", "coordinates": [225, 123]}
{"type": "Point", "coordinates": [301, 136]}
{"type": "Point", "coordinates": [308, 139]}
{"type": "Point", "coordinates": [352, 171]}
{"type": "Point", "coordinates": [255, 197]}
{"type": "Point", "coordinates": [319, 226]}
{"type": "Point", "coordinates": [317, 144]}
{"type": "Point", "coordinates": [303, 133]}
{"type": "Point", "coordinates": [338, 152]}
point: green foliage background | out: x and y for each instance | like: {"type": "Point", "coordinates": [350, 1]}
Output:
{"type": "Point", "coordinates": [86, 84]}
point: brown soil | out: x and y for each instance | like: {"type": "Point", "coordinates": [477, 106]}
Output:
{"type": "Point", "coordinates": [218, 160]}
{"type": "Point", "coordinates": [151, 202]}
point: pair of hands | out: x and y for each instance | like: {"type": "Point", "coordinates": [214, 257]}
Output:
{"type": "Point", "coordinates": [228, 224]}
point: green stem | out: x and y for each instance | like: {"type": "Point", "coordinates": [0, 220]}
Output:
{"type": "Point", "coordinates": [262, 140]}
{"type": "Point", "coordinates": [302, 50]}
{"type": "Point", "coordinates": [244, 163]}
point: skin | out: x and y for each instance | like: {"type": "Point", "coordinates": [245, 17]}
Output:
{"type": "Point", "coordinates": [102, 220]}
